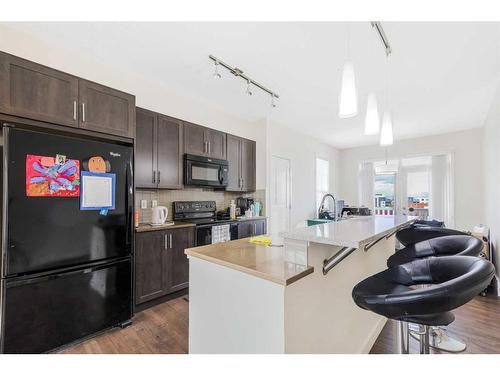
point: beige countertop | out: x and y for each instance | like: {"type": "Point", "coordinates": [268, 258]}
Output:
{"type": "Point", "coordinates": [266, 262]}
{"type": "Point", "coordinates": [355, 232]}
{"type": "Point", "coordinates": [150, 228]}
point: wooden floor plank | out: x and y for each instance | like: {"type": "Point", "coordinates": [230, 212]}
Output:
{"type": "Point", "coordinates": [164, 329]}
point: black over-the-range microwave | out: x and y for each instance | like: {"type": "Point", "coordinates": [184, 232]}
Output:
{"type": "Point", "coordinates": [205, 171]}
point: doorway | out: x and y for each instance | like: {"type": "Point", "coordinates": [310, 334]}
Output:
{"type": "Point", "coordinates": [418, 186]}
{"type": "Point", "coordinates": [281, 195]}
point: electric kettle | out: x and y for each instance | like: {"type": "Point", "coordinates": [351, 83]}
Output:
{"type": "Point", "coordinates": [159, 216]}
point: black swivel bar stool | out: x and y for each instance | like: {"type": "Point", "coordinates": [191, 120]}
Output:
{"type": "Point", "coordinates": [436, 247]}
{"type": "Point", "coordinates": [393, 293]}
{"type": "Point", "coordinates": [417, 233]}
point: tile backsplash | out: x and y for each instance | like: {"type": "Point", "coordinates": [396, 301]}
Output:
{"type": "Point", "coordinates": [166, 197]}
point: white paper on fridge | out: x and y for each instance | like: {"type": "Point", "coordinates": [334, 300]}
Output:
{"type": "Point", "coordinates": [97, 191]}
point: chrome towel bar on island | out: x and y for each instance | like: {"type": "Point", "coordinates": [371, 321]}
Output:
{"type": "Point", "coordinates": [368, 246]}
{"type": "Point", "coordinates": [335, 259]}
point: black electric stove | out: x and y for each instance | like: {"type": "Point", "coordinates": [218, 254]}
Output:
{"type": "Point", "coordinates": [204, 215]}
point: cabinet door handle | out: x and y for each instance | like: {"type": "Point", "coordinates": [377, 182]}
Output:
{"type": "Point", "coordinates": [171, 240]}
{"type": "Point", "coordinates": [159, 177]}
{"type": "Point", "coordinates": [75, 109]}
{"type": "Point", "coordinates": [83, 112]}
{"type": "Point", "coordinates": [165, 239]}
{"type": "Point", "coordinates": [208, 147]}
{"type": "Point", "coordinates": [154, 177]}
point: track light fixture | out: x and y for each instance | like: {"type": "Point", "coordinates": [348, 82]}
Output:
{"type": "Point", "coordinates": [239, 73]}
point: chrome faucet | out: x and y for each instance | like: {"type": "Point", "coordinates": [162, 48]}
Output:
{"type": "Point", "coordinates": [322, 209]}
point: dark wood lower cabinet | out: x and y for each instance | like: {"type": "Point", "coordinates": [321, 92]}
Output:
{"type": "Point", "coordinates": [161, 267]}
{"type": "Point", "coordinates": [248, 228]}
{"type": "Point", "coordinates": [151, 280]}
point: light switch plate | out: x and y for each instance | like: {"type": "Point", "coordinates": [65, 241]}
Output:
{"type": "Point", "coordinates": [154, 203]}
{"type": "Point", "coordinates": [144, 204]}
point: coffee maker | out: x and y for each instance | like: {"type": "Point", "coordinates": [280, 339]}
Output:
{"type": "Point", "coordinates": [244, 204]}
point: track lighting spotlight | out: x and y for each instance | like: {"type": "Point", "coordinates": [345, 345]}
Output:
{"type": "Point", "coordinates": [216, 72]}
{"type": "Point", "coordinates": [249, 92]}
{"type": "Point", "coordinates": [273, 103]}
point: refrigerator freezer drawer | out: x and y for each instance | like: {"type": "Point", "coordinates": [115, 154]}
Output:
{"type": "Point", "coordinates": [44, 313]}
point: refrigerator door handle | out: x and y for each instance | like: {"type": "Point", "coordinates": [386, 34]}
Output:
{"type": "Point", "coordinates": [25, 280]}
{"type": "Point", "coordinates": [129, 204]}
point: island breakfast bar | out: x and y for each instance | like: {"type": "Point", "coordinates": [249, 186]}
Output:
{"type": "Point", "coordinates": [295, 298]}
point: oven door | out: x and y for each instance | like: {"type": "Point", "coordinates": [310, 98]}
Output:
{"type": "Point", "coordinates": [200, 171]}
{"type": "Point", "coordinates": [203, 235]}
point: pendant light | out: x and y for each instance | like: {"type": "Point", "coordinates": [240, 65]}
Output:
{"type": "Point", "coordinates": [372, 120]}
{"type": "Point", "coordinates": [386, 136]}
{"type": "Point", "coordinates": [348, 98]}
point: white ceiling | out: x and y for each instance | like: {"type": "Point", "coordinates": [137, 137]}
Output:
{"type": "Point", "coordinates": [442, 76]}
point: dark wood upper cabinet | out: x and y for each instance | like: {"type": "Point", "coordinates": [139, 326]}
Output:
{"type": "Point", "coordinates": [160, 263]}
{"type": "Point", "coordinates": [241, 157]}
{"type": "Point", "coordinates": [216, 141]}
{"type": "Point", "coordinates": [234, 160]}
{"type": "Point", "coordinates": [202, 141]}
{"type": "Point", "coordinates": [151, 266]}
{"type": "Point", "coordinates": [145, 149]}
{"type": "Point", "coordinates": [34, 91]}
{"type": "Point", "coordinates": [158, 151]}
{"type": "Point", "coordinates": [194, 139]}
{"type": "Point", "coordinates": [248, 165]}
{"type": "Point", "coordinates": [106, 110]}
{"type": "Point", "coordinates": [169, 145]}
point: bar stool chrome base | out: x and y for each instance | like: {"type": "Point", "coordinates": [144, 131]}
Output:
{"type": "Point", "coordinates": [439, 339]}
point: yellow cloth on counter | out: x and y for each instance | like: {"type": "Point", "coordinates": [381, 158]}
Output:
{"type": "Point", "coordinates": [261, 240]}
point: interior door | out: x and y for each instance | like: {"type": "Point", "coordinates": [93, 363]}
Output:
{"type": "Point", "coordinates": [146, 149]}
{"type": "Point", "coordinates": [169, 152]}
{"type": "Point", "coordinates": [47, 232]}
{"type": "Point", "coordinates": [34, 91]}
{"type": "Point", "coordinates": [281, 193]}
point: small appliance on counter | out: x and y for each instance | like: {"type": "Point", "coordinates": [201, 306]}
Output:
{"type": "Point", "coordinates": [159, 216]}
{"type": "Point", "coordinates": [356, 211]}
{"type": "Point", "coordinates": [244, 204]}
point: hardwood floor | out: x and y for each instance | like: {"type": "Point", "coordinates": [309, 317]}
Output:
{"type": "Point", "coordinates": [477, 324]}
{"type": "Point", "coordinates": [160, 329]}
{"type": "Point", "coordinates": [164, 329]}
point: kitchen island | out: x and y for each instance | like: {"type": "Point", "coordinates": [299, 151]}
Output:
{"type": "Point", "coordinates": [294, 298]}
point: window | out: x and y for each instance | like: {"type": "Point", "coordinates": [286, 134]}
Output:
{"type": "Point", "coordinates": [322, 179]}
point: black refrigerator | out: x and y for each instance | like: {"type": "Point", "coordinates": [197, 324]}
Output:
{"type": "Point", "coordinates": [66, 273]}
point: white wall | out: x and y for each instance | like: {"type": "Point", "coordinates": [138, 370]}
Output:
{"type": "Point", "coordinates": [466, 148]}
{"type": "Point", "coordinates": [302, 152]}
{"type": "Point", "coordinates": [491, 153]}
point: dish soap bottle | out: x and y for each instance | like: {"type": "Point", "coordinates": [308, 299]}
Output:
{"type": "Point", "coordinates": [232, 210]}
